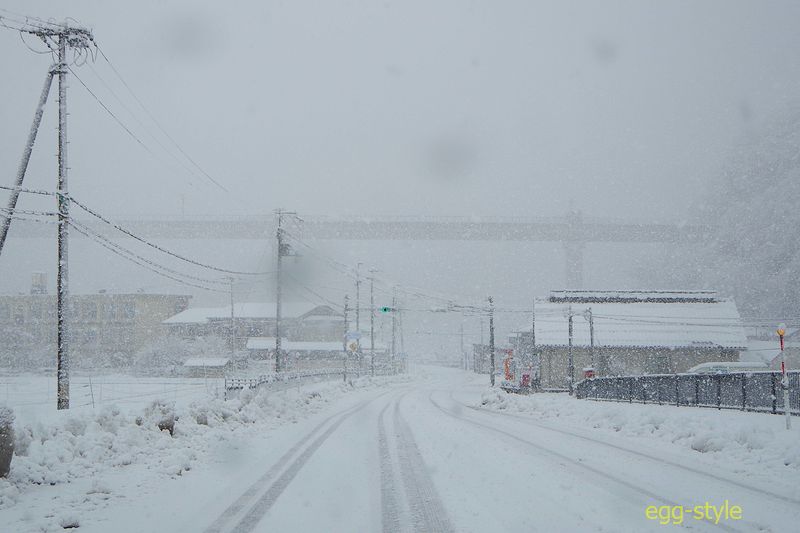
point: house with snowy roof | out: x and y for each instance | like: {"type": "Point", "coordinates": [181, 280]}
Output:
{"type": "Point", "coordinates": [630, 333]}
{"type": "Point", "coordinates": [299, 321]}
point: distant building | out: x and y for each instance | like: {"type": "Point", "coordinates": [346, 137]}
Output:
{"type": "Point", "coordinates": [635, 332]}
{"type": "Point", "coordinates": [200, 367]}
{"type": "Point", "coordinates": [99, 323]}
{"type": "Point", "coordinates": [299, 322]}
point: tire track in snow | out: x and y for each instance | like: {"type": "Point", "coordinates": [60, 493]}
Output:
{"type": "Point", "coordinates": [390, 507]}
{"type": "Point", "coordinates": [267, 499]}
{"type": "Point", "coordinates": [427, 512]}
{"type": "Point", "coordinates": [715, 477]}
{"type": "Point", "coordinates": [566, 459]}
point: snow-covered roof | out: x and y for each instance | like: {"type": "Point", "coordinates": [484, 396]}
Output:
{"type": "Point", "coordinates": [672, 325]}
{"type": "Point", "coordinates": [313, 346]}
{"type": "Point", "coordinates": [583, 296]}
{"type": "Point", "coordinates": [206, 362]}
{"type": "Point", "coordinates": [263, 343]}
{"type": "Point", "coordinates": [201, 315]}
{"type": "Point", "coordinates": [268, 343]}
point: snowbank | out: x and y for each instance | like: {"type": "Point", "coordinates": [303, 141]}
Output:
{"type": "Point", "coordinates": [85, 446]}
{"type": "Point", "coordinates": [752, 441]}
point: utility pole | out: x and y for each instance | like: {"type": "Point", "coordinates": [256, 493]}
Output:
{"type": "Point", "coordinates": [62, 275]}
{"type": "Point", "coordinates": [26, 155]}
{"type": "Point", "coordinates": [402, 341]}
{"type": "Point", "coordinates": [491, 340]}
{"type": "Point", "coordinates": [463, 353]}
{"type": "Point", "coordinates": [344, 336]}
{"type": "Point", "coordinates": [283, 250]}
{"type": "Point", "coordinates": [533, 335]}
{"type": "Point", "coordinates": [358, 297]}
{"type": "Point", "coordinates": [570, 362]}
{"type": "Point", "coordinates": [785, 379]}
{"type": "Point", "coordinates": [233, 326]}
{"type": "Point", "coordinates": [588, 315]}
{"type": "Point", "coordinates": [372, 320]}
{"type": "Point", "coordinates": [57, 38]}
{"type": "Point", "coordinates": [394, 324]}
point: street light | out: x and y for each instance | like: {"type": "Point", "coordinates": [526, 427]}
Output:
{"type": "Point", "coordinates": [784, 378]}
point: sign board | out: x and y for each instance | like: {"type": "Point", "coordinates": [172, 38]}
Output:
{"type": "Point", "coordinates": [352, 335]}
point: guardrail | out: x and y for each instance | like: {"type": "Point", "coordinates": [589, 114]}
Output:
{"type": "Point", "coordinates": [745, 391]}
{"type": "Point", "coordinates": [240, 383]}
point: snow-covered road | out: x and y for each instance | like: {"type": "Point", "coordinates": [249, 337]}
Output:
{"type": "Point", "coordinates": [424, 455]}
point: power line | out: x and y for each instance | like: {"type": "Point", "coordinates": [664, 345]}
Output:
{"type": "Point", "coordinates": [148, 261]}
{"type": "Point", "coordinates": [133, 235]}
{"type": "Point", "coordinates": [159, 248]}
{"type": "Point", "coordinates": [138, 121]}
{"type": "Point", "coordinates": [157, 123]}
{"type": "Point", "coordinates": [119, 121]}
{"type": "Point", "coordinates": [141, 264]}
{"type": "Point", "coordinates": [310, 290]}
{"type": "Point", "coordinates": [28, 191]}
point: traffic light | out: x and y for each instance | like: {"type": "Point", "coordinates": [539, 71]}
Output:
{"type": "Point", "coordinates": [386, 309]}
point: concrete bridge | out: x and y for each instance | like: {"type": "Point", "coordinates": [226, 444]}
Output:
{"type": "Point", "coordinates": [573, 230]}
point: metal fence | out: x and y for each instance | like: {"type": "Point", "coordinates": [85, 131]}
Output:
{"type": "Point", "coordinates": [239, 383]}
{"type": "Point", "coordinates": [746, 391]}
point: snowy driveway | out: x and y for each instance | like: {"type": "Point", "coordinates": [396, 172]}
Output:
{"type": "Point", "coordinates": [424, 456]}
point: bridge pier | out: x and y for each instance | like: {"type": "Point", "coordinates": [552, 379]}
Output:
{"type": "Point", "coordinates": [573, 252]}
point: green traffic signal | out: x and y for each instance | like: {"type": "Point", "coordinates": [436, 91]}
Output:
{"type": "Point", "coordinates": [386, 309]}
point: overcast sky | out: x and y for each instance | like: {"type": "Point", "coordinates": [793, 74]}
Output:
{"type": "Point", "coordinates": [419, 107]}
{"type": "Point", "coordinates": [413, 107]}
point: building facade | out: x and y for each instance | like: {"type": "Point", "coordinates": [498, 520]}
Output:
{"type": "Point", "coordinates": [101, 323]}
{"type": "Point", "coordinates": [628, 333]}
{"type": "Point", "coordinates": [299, 322]}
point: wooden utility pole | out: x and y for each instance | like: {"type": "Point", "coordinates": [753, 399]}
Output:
{"type": "Point", "coordinates": [344, 335]}
{"type": "Point", "coordinates": [283, 250]}
{"type": "Point", "coordinates": [394, 323]}
{"type": "Point", "coordinates": [26, 156]}
{"type": "Point", "coordinates": [372, 320]}
{"type": "Point", "coordinates": [491, 341]}
{"type": "Point", "coordinates": [62, 275]}
{"type": "Point", "coordinates": [570, 362]}
{"type": "Point", "coordinates": [463, 353]}
{"type": "Point", "coordinates": [233, 326]}
{"type": "Point", "coordinates": [58, 38]}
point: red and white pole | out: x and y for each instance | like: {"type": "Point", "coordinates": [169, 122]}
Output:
{"type": "Point", "coordinates": [784, 379]}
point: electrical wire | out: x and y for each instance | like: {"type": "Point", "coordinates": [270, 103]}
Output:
{"type": "Point", "coordinates": [142, 264]}
{"type": "Point", "coordinates": [159, 248]}
{"type": "Point", "coordinates": [149, 262]}
{"type": "Point", "coordinates": [310, 290]}
{"type": "Point", "coordinates": [116, 226]}
{"type": "Point", "coordinates": [157, 123]}
{"type": "Point", "coordinates": [145, 127]}
{"type": "Point", "coordinates": [28, 191]}
{"type": "Point", "coordinates": [120, 123]}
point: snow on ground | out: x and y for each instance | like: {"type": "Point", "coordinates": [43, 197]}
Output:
{"type": "Point", "coordinates": [69, 464]}
{"type": "Point", "coordinates": [33, 396]}
{"type": "Point", "coordinates": [435, 451]}
{"type": "Point", "coordinates": [754, 443]}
